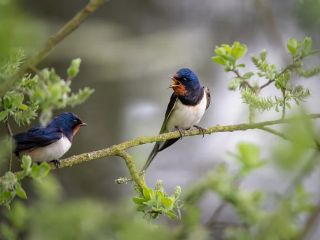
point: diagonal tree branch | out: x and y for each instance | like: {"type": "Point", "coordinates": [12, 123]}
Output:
{"type": "Point", "coordinates": [114, 150]}
{"type": "Point", "coordinates": [119, 149]}
{"type": "Point", "coordinates": [53, 41]}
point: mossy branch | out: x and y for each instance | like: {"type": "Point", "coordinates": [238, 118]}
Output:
{"type": "Point", "coordinates": [53, 41]}
{"type": "Point", "coordinates": [120, 149]}
{"type": "Point", "coordinates": [132, 169]}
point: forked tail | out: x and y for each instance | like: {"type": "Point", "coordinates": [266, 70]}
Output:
{"type": "Point", "coordinates": [152, 155]}
{"type": "Point", "coordinates": [158, 148]}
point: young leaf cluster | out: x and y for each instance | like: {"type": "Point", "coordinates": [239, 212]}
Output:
{"type": "Point", "coordinates": [250, 83]}
{"type": "Point", "coordinates": [153, 202]}
{"type": "Point", "coordinates": [10, 183]}
{"type": "Point", "coordinates": [41, 93]}
{"type": "Point", "coordinates": [282, 221]}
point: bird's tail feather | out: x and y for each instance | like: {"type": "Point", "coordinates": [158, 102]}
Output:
{"type": "Point", "coordinates": [152, 155]}
{"type": "Point", "coordinates": [158, 148]}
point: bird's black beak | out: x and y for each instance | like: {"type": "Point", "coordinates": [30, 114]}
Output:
{"type": "Point", "coordinates": [83, 124]}
{"type": "Point", "coordinates": [175, 82]}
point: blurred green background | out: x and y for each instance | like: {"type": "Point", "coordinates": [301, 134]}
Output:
{"type": "Point", "coordinates": [128, 50]}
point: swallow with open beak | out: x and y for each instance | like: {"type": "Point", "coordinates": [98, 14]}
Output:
{"type": "Point", "coordinates": [187, 105]}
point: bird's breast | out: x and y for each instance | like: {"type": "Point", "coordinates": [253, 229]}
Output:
{"type": "Point", "coordinates": [185, 116]}
{"type": "Point", "coordinates": [50, 152]}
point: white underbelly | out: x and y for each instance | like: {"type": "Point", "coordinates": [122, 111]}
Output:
{"type": "Point", "coordinates": [184, 116]}
{"type": "Point", "coordinates": [51, 152]}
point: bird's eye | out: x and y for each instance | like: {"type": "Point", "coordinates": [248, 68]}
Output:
{"type": "Point", "coordinates": [185, 79]}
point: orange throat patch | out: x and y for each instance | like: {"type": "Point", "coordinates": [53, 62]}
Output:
{"type": "Point", "coordinates": [75, 130]}
{"type": "Point", "coordinates": [178, 88]}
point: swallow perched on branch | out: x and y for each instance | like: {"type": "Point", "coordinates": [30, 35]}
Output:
{"type": "Point", "coordinates": [49, 143]}
{"type": "Point", "coordinates": [188, 103]}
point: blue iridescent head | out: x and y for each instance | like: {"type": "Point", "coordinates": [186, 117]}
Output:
{"type": "Point", "coordinates": [185, 82]}
{"type": "Point", "coordinates": [68, 122]}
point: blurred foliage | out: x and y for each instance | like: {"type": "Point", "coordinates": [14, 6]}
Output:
{"type": "Point", "coordinates": [52, 217]}
{"type": "Point", "coordinates": [43, 92]}
{"type": "Point", "coordinates": [10, 183]}
{"type": "Point", "coordinates": [250, 87]}
{"type": "Point", "coordinates": [17, 30]}
{"type": "Point", "coordinates": [308, 13]}
{"type": "Point", "coordinates": [284, 219]}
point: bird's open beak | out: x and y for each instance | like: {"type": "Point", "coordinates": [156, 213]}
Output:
{"type": "Point", "coordinates": [175, 82]}
{"type": "Point", "coordinates": [83, 124]}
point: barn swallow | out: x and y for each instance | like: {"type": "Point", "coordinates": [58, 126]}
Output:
{"type": "Point", "coordinates": [188, 103]}
{"type": "Point", "coordinates": [49, 143]}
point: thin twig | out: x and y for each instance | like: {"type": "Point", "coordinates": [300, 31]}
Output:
{"type": "Point", "coordinates": [272, 131]}
{"type": "Point", "coordinates": [244, 81]}
{"type": "Point", "coordinates": [9, 128]}
{"type": "Point", "coordinates": [293, 65]}
{"type": "Point", "coordinates": [53, 41]}
{"type": "Point", "coordinates": [266, 84]}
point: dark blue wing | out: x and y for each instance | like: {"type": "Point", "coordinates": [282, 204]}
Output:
{"type": "Point", "coordinates": [207, 92]}
{"type": "Point", "coordinates": [170, 107]}
{"type": "Point", "coordinates": [158, 145]}
{"type": "Point", "coordinates": [36, 137]}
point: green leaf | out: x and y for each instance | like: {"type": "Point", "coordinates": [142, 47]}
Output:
{"type": "Point", "coordinates": [263, 55]}
{"type": "Point", "coordinates": [147, 193]}
{"type": "Point", "coordinates": [138, 200]}
{"type": "Point", "coordinates": [221, 51]}
{"type": "Point", "coordinates": [248, 75]}
{"type": "Point", "coordinates": [238, 50]}
{"type": "Point", "coordinates": [234, 84]}
{"type": "Point", "coordinates": [219, 60]}
{"type": "Point", "coordinates": [292, 46]}
{"type": "Point", "coordinates": [20, 192]}
{"type": "Point", "coordinates": [167, 202]}
{"type": "Point", "coordinates": [171, 214]}
{"type": "Point", "coordinates": [23, 107]}
{"type": "Point", "coordinates": [26, 166]}
{"type": "Point", "coordinates": [73, 70]}
{"type": "Point", "coordinates": [249, 156]}
{"type": "Point", "coordinates": [40, 171]}
{"type": "Point", "coordinates": [6, 197]}
{"type": "Point", "coordinates": [306, 46]}
{"type": "Point", "coordinates": [241, 65]}
{"type": "Point", "coordinates": [3, 115]}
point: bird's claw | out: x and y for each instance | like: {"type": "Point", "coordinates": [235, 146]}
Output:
{"type": "Point", "coordinates": [180, 131]}
{"type": "Point", "coordinates": [201, 129]}
{"type": "Point", "coordinates": [56, 162]}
